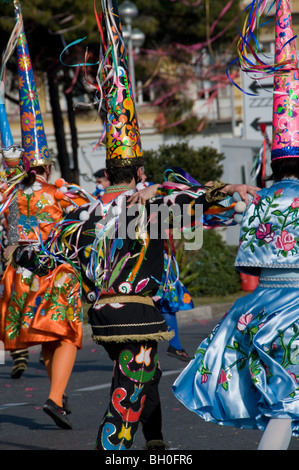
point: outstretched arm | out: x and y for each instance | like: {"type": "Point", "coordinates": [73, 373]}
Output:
{"type": "Point", "coordinates": [242, 189]}
{"type": "Point", "coordinates": [151, 191]}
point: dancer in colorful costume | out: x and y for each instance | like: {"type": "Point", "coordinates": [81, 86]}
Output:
{"type": "Point", "coordinates": [10, 153]}
{"type": "Point", "coordinates": [120, 254]}
{"type": "Point", "coordinates": [34, 310]}
{"type": "Point", "coordinates": [172, 295]}
{"type": "Point", "coordinates": [245, 374]}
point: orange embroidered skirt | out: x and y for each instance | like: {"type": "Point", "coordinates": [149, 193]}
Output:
{"type": "Point", "coordinates": [35, 309]}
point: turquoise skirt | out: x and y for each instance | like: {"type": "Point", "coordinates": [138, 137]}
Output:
{"type": "Point", "coordinates": [247, 370]}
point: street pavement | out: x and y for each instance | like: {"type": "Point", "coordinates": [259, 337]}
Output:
{"type": "Point", "coordinates": [24, 425]}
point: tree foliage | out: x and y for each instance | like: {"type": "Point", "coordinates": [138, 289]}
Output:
{"type": "Point", "coordinates": [167, 22]}
{"type": "Point", "coordinates": [209, 271]}
{"type": "Point", "coordinates": [203, 164]}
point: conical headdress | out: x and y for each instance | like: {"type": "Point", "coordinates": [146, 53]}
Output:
{"type": "Point", "coordinates": [6, 135]}
{"type": "Point", "coordinates": [123, 146]}
{"type": "Point", "coordinates": [33, 134]}
{"type": "Point", "coordinates": [285, 141]}
{"type": "Point", "coordinates": [12, 155]}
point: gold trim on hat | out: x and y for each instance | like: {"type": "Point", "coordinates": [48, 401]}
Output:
{"type": "Point", "coordinates": [124, 162]}
{"type": "Point", "coordinates": [41, 162]}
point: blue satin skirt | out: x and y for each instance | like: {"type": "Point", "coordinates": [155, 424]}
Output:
{"type": "Point", "coordinates": [247, 370]}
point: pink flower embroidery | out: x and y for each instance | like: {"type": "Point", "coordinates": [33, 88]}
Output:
{"type": "Point", "coordinates": [243, 321]}
{"type": "Point", "coordinates": [256, 199]}
{"type": "Point", "coordinates": [285, 241]}
{"type": "Point", "coordinates": [293, 375]}
{"type": "Point", "coordinates": [264, 232]}
{"type": "Point", "coordinates": [204, 378]}
{"type": "Point", "coordinates": [295, 203]}
{"type": "Point", "coordinates": [278, 192]}
{"type": "Point", "coordinates": [222, 377]}
{"type": "Point", "coordinates": [267, 370]}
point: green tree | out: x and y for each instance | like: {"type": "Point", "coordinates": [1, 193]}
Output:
{"type": "Point", "coordinates": [167, 22]}
{"type": "Point", "coordinates": [203, 164]}
{"type": "Point", "coordinates": [209, 271]}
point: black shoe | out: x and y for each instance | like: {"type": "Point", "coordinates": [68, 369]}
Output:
{"type": "Point", "coordinates": [18, 370]}
{"type": "Point", "coordinates": [66, 406]}
{"type": "Point", "coordinates": [41, 358]}
{"type": "Point", "coordinates": [155, 446]}
{"type": "Point", "coordinates": [58, 414]}
{"type": "Point", "coordinates": [20, 359]}
{"type": "Point", "coordinates": [178, 354]}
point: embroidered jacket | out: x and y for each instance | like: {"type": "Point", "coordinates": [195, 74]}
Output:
{"type": "Point", "coordinates": [121, 252]}
{"type": "Point", "coordinates": [33, 210]}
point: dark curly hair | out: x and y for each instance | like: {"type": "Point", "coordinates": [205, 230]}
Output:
{"type": "Point", "coordinates": [122, 174]}
{"type": "Point", "coordinates": [284, 167]}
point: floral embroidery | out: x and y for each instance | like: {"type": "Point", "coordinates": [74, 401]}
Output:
{"type": "Point", "coordinates": [63, 305]}
{"type": "Point", "coordinates": [283, 350]}
{"type": "Point", "coordinates": [286, 241]}
{"type": "Point", "coordinates": [27, 121]}
{"type": "Point", "coordinates": [264, 232]}
{"type": "Point", "coordinates": [244, 320]}
{"type": "Point", "coordinates": [265, 212]}
{"type": "Point", "coordinates": [295, 203]}
{"type": "Point", "coordinates": [30, 222]}
{"type": "Point", "coordinates": [204, 370]}
{"type": "Point", "coordinates": [247, 325]}
{"type": "Point", "coordinates": [223, 379]}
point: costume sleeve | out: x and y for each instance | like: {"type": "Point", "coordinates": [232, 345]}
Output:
{"type": "Point", "coordinates": [206, 206]}
{"type": "Point", "coordinates": [72, 195]}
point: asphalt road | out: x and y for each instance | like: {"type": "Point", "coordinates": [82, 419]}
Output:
{"type": "Point", "coordinates": [24, 425]}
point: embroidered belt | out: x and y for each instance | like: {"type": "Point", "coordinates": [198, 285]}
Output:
{"type": "Point", "coordinates": [123, 299]}
{"type": "Point", "coordinates": [273, 285]}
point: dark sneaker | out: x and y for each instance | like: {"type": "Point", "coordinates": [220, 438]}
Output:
{"type": "Point", "coordinates": [178, 354]}
{"type": "Point", "coordinates": [66, 405]}
{"type": "Point", "coordinates": [18, 370]}
{"type": "Point", "coordinates": [155, 446]}
{"type": "Point", "coordinates": [58, 414]}
{"type": "Point", "coordinates": [20, 359]}
{"type": "Point", "coordinates": [41, 358]}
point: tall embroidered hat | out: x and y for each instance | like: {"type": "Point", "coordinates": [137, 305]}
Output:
{"type": "Point", "coordinates": [285, 140]}
{"type": "Point", "coordinates": [33, 134]}
{"type": "Point", "coordinates": [6, 135]}
{"type": "Point", "coordinates": [123, 145]}
{"type": "Point", "coordinates": [10, 153]}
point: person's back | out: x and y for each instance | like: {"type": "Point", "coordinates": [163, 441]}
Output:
{"type": "Point", "coordinates": [269, 231]}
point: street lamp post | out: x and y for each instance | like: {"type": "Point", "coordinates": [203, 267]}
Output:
{"type": "Point", "coordinates": [134, 37]}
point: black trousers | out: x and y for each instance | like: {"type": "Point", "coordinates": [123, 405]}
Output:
{"type": "Point", "coordinates": [134, 396]}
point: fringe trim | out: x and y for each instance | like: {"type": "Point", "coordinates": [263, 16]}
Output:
{"type": "Point", "coordinates": [160, 336]}
{"type": "Point", "coordinates": [213, 193]}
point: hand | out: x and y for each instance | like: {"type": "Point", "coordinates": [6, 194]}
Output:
{"type": "Point", "coordinates": [8, 251]}
{"type": "Point", "coordinates": [143, 195]}
{"type": "Point", "coordinates": [242, 189]}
